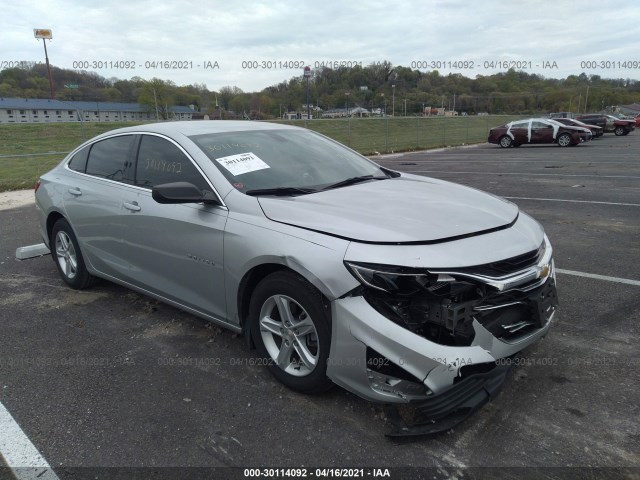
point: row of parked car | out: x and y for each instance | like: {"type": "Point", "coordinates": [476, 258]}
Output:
{"type": "Point", "coordinates": [562, 130]}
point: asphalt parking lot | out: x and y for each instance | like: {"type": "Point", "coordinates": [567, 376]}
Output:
{"type": "Point", "coordinates": [109, 378]}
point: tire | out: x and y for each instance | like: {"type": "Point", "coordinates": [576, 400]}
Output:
{"type": "Point", "coordinates": [564, 139]}
{"type": "Point", "coordinates": [67, 256]}
{"type": "Point", "coordinates": [295, 348]}
{"type": "Point", "coordinates": [506, 141]}
{"type": "Point", "coordinates": [619, 131]}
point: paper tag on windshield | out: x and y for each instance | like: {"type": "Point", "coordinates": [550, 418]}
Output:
{"type": "Point", "coordinates": [242, 163]}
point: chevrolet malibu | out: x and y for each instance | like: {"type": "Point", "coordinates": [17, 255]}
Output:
{"type": "Point", "coordinates": [401, 289]}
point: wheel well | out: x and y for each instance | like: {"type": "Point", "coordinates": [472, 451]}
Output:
{"type": "Point", "coordinates": [249, 283]}
{"type": "Point", "coordinates": [51, 221]}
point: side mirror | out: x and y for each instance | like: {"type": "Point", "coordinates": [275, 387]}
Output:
{"type": "Point", "coordinates": [182, 192]}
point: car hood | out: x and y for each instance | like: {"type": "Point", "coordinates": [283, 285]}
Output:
{"type": "Point", "coordinates": [406, 209]}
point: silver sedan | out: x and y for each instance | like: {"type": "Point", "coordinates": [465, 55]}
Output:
{"type": "Point", "coordinates": [399, 288]}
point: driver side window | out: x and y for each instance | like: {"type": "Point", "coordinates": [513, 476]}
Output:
{"type": "Point", "coordinates": [160, 161]}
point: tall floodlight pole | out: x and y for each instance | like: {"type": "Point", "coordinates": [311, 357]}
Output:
{"type": "Point", "coordinates": [307, 75]}
{"type": "Point", "coordinates": [45, 34]}
{"type": "Point", "coordinates": [393, 100]}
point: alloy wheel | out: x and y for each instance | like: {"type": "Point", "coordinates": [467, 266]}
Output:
{"type": "Point", "coordinates": [289, 335]}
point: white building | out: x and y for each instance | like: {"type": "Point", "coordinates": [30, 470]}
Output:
{"type": "Point", "coordinates": [36, 110]}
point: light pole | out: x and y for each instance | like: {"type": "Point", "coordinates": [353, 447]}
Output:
{"type": "Point", "coordinates": [346, 102]}
{"type": "Point", "coordinates": [44, 34]}
{"type": "Point", "coordinates": [384, 105]}
{"type": "Point", "coordinates": [393, 101]}
{"type": "Point", "coordinates": [307, 75]}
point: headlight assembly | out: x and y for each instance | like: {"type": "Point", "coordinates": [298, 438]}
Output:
{"type": "Point", "coordinates": [395, 280]}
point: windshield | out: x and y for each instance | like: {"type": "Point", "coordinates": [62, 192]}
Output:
{"type": "Point", "coordinates": [283, 159]}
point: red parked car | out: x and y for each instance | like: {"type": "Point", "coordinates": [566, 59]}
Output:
{"type": "Point", "coordinates": [596, 130]}
{"type": "Point", "coordinates": [537, 131]}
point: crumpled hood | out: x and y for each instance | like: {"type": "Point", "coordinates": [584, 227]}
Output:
{"type": "Point", "coordinates": [398, 210]}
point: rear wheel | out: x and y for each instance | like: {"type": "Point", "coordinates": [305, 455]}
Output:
{"type": "Point", "coordinates": [506, 141]}
{"type": "Point", "coordinates": [67, 256]}
{"type": "Point", "coordinates": [564, 140]}
{"type": "Point", "coordinates": [291, 328]}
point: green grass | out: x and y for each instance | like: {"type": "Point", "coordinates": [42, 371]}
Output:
{"type": "Point", "coordinates": [21, 172]}
{"type": "Point", "coordinates": [388, 135]}
{"type": "Point", "coordinates": [366, 135]}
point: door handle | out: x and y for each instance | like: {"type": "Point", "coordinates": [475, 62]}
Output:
{"type": "Point", "coordinates": [133, 206]}
{"type": "Point", "coordinates": [75, 191]}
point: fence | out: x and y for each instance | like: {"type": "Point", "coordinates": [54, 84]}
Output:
{"type": "Point", "coordinates": [395, 134]}
{"type": "Point", "coordinates": [28, 150]}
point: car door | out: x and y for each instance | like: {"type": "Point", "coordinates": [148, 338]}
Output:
{"type": "Point", "coordinates": [175, 251]}
{"type": "Point", "coordinates": [520, 132]}
{"type": "Point", "coordinates": [99, 177]}
{"type": "Point", "coordinates": [541, 132]}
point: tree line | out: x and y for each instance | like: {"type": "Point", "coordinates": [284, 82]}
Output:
{"type": "Point", "coordinates": [381, 86]}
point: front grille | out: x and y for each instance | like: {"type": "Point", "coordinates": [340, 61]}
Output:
{"type": "Point", "coordinates": [508, 266]}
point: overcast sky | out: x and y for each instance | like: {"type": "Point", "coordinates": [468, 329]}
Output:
{"type": "Point", "coordinates": [277, 34]}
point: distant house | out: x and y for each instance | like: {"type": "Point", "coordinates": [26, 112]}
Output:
{"type": "Point", "coordinates": [356, 111]}
{"type": "Point", "coordinates": [36, 110]}
{"type": "Point", "coordinates": [296, 116]}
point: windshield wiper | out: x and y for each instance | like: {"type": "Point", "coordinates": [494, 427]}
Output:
{"type": "Point", "coordinates": [281, 191]}
{"type": "Point", "coordinates": [352, 180]}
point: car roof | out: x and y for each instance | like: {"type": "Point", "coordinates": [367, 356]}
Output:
{"type": "Point", "coordinates": [198, 127]}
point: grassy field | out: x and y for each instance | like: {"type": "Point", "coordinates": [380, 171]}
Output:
{"type": "Point", "coordinates": [19, 168]}
{"type": "Point", "coordinates": [388, 135]}
{"type": "Point", "coordinates": [28, 150]}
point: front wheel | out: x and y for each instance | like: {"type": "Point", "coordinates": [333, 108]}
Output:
{"type": "Point", "coordinates": [619, 131]}
{"type": "Point", "coordinates": [291, 328]}
{"type": "Point", "coordinates": [564, 140]}
{"type": "Point", "coordinates": [506, 141]}
{"type": "Point", "coordinates": [66, 253]}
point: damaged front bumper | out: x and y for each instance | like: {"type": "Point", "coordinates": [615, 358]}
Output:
{"type": "Point", "coordinates": [384, 361]}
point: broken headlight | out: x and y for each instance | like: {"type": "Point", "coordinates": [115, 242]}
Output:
{"type": "Point", "coordinates": [392, 279]}
{"type": "Point", "coordinates": [436, 306]}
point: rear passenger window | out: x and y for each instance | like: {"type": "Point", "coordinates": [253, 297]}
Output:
{"type": "Point", "coordinates": [110, 159]}
{"type": "Point", "coordinates": [160, 161]}
{"type": "Point", "coordinates": [79, 160]}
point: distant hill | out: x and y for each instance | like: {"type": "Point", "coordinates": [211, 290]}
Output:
{"type": "Point", "coordinates": [399, 89]}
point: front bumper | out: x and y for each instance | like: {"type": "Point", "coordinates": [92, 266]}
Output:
{"type": "Point", "coordinates": [441, 412]}
{"type": "Point", "coordinates": [427, 368]}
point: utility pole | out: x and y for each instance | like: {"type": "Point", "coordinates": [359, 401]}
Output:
{"type": "Point", "coordinates": [586, 99]}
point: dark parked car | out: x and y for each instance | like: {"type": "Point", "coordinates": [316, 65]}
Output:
{"type": "Point", "coordinates": [609, 123]}
{"type": "Point", "coordinates": [537, 131]}
{"type": "Point", "coordinates": [595, 130]}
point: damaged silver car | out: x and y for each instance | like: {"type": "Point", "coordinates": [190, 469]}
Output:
{"type": "Point", "coordinates": [400, 288]}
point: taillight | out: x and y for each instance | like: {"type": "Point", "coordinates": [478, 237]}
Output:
{"type": "Point", "coordinates": [37, 186]}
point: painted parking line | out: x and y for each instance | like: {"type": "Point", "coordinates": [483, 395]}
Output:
{"type": "Point", "coordinates": [20, 455]}
{"type": "Point", "coordinates": [528, 174]}
{"type": "Point", "coordinates": [572, 201]}
{"type": "Point", "coordinates": [599, 277]}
